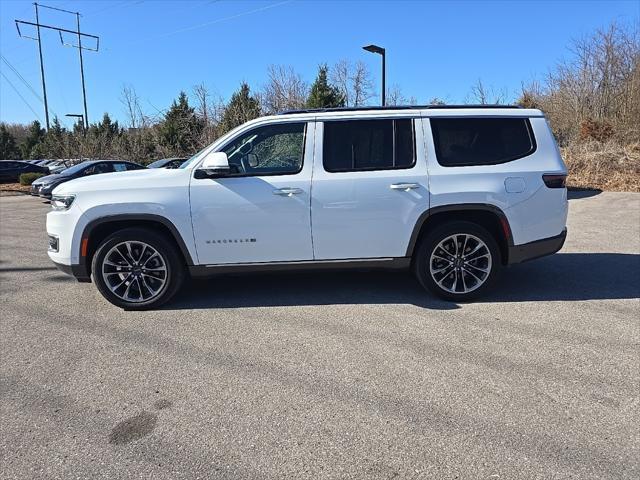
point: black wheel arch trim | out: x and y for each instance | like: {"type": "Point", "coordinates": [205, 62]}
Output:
{"type": "Point", "coordinates": [458, 207]}
{"type": "Point", "coordinates": [83, 268]}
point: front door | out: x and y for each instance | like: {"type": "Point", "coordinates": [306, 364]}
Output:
{"type": "Point", "coordinates": [260, 213]}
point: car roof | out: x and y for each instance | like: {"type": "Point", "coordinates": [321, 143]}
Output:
{"type": "Point", "coordinates": [399, 107]}
{"type": "Point", "coordinates": [413, 111]}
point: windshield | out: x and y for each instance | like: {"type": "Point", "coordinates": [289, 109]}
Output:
{"type": "Point", "coordinates": [157, 163]}
{"type": "Point", "coordinates": [75, 168]}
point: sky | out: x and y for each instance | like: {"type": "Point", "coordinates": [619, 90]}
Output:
{"type": "Point", "coordinates": [434, 48]}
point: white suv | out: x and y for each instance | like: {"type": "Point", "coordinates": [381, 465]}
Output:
{"type": "Point", "coordinates": [455, 193]}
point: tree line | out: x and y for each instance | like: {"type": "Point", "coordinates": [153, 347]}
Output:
{"type": "Point", "coordinates": [592, 96]}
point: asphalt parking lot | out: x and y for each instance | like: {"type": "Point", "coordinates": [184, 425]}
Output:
{"type": "Point", "coordinates": [332, 375]}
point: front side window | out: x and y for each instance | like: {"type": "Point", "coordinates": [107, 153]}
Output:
{"type": "Point", "coordinates": [481, 141]}
{"type": "Point", "coordinates": [356, 145]}
{"type": "Point", "coordinates": [97, 168]}
{"type": "Point", "coordinates": [270, 150]}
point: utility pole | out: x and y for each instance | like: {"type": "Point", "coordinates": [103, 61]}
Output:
{"type": "Point", "coordinates": [44, 85]}
{"type": "Point", "coordinates": [84, 91]}
{"type": "Point", "coordinates": [80, 35]}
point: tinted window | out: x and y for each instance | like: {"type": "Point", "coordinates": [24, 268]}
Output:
{"type": "Point", "coordinates": [481, 141]}
{"type": "Point", "coordinates": [133, 166]}
{"type": "Point", "coordinates": [268, 150]}
{"type": "Point", "coordinates": [368, 145]}
{"type": "Point", "coordinates": [119, 167]}
{"type": "Point", "coordinates": [97, 168]}
{"type": "Point", "coordinates": [76, 168]}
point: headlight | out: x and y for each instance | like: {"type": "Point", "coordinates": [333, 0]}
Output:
{"type": "Point", "coordinates": [62, 202]}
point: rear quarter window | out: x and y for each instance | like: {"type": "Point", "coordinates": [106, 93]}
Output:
{"type": "Point", "coordinates": [481, 141]}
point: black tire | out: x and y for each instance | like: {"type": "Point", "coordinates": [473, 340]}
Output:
{"type": "Point", "coordinates": [431, 242]}
{"type": "Point", "coordinates": [173, 262]}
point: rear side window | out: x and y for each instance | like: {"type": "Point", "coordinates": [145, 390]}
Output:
{"type": "Point", "coordinates": [356, 145]}
{"type": "Point", "coordinates": [481, 141]}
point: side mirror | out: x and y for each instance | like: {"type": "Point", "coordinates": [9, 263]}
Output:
{"type": "Point", "coordinates": [216, 161]}
{"type": "Point", "coordinates": [216, 164]}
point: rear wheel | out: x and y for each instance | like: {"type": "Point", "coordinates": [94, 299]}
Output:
{"type": "Point", "coordinates": [458, 261]}
{"type": "Point", "coordinates": [137, 269]}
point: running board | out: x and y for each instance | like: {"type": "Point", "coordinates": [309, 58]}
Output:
{"type": "Point", "coordinates": [217, 269]}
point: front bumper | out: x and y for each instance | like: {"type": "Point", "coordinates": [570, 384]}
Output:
{"type": "Point", "coordinates": [537, 249]}
{"type": "Point", "coordinates": [78, 271]}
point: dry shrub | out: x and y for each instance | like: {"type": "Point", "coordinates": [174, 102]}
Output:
{"type": "Point", "coordinates": [605, 166]}
{"type": "Point", "coordinates": [599, 130]}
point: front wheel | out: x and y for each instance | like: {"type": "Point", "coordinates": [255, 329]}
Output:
{"type": "Point", "coordinates": [137, 269]}
{"type": "Point", "coordinates": [458, 261]}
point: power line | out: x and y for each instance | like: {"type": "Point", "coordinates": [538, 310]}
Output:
{"type": "Point", "coordinates": [28, 85]}
{"type": "Point", "coordinates": [212, 22]}
{"type": "Point", "coordinates": [20, 95]}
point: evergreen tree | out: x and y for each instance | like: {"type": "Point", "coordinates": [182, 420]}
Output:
{"type": "Point", "coordinates": [55, 140]}
{"type": "Point", "coordinates": [323, 94]}
{"type": "Point", "coordinates": [181, 128]}
{"type": "Point", "coordinates": [106, 128]}
{"type": "Point", "coordinates": [241, 108]}
{"type": "Point", "coordinates": [35, 136]}
{"type": "Point", "coordinates": [8, 148]}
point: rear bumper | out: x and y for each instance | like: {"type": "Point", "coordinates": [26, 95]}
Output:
{"type": "Point", "coordinates": [537, 249]}
{"type": "Point", "coordinates": [79, 272]}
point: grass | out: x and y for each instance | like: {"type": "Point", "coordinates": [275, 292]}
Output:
{"type": "Point", "coordinates": [603, 166]}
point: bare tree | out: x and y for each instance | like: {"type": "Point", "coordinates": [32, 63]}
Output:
{"type": "Point", "coordinates": [395, 96]}
{"type": "Point", "coordinates": [202, 95]}
{"type": "Point", "coordinates": [599, 83]}
{"type": "Point", "coordinates": [353, 81]}
{"type": "Point", "coordinates": [483, 95]}
{"type": "Point", "coordinates": [285, 90]}
{"type": "Point", "coordinates": [129, 98]}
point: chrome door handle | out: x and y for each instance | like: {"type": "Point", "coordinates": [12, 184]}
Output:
{"type": "Point", "coordinates": [287, 191]}
{"type": "Point", "coordinates": [404, 186]}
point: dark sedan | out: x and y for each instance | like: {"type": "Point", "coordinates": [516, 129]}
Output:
{"type": "Point", "coordinates": [167, 163]}
{"type": "Point", "coordinates": [10, 170]}
{"type": "Point", "coordinates": [45, 185]}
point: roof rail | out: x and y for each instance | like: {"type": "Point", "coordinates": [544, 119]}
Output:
{"type": "Point", "coordinates": [393, 107]}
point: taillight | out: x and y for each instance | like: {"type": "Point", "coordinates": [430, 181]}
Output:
{"type": "Point", "coordinates": [554, 180]}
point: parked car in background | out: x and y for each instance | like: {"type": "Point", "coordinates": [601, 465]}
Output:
{"type": "Point", "coordinates": [167, 163]}
{"type": "Point", "coordinates": [10, 170]}
{"type": "Point", "coordinates": [44, 186]}
{"type": "Point", "coordinates": [58, 166]}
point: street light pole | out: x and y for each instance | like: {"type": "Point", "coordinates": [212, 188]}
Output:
{"type": "Point", "coordinates": [81, 118]}
{"type": "Point", "coordinates": [380, 51]}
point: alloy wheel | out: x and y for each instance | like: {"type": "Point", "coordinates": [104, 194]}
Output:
{"type": "Point", "coordinates": [134, 271]}
{"type": "Point", "coordinates": [461, 263]}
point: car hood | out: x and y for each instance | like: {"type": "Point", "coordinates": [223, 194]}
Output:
{"type": "Point", "coordinates": [49, 179]}
{"type": "Point", "coordinates": [134, 179]}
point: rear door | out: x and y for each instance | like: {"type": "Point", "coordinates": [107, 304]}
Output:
{"type": "Point", "coordinates": [370, 185]}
